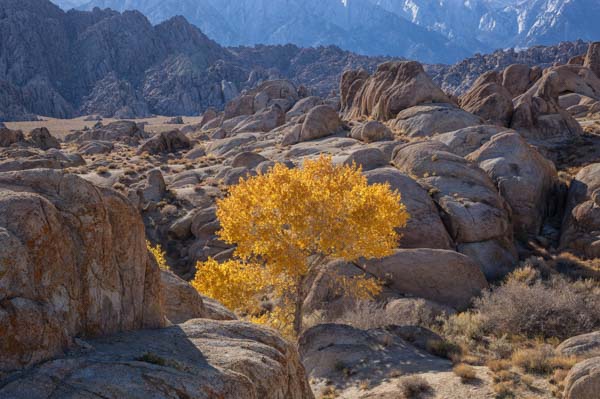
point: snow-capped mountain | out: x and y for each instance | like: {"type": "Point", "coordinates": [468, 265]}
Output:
{"type": "Point", "coordinates": [356, 25]}
{"type": "Point", "coordinates": [488, 24]}
{"type": "Point", "coordinates": [428, 30]}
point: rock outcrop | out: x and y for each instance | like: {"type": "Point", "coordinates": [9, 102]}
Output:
{"type": "Point", "coordinates": [394, 87]}
{"type": "Point", "coordinates": [525, 179]}
{"type": "Point", "coordinates": [489, 100]}
{"type": "Point", "coordinates": [126, 132]}
{"type": "Point", "coordinates": [445, 277]}
{"type": "Point", "coordinates": [582, 221]}
{"type": "Point", "coordinates": [166, 142]}
{"type": "Point", "coordinates": [424, 229]}
{"type": "Point", "coordinates": [430, 119]}
{"type": "Point", "coordinates": [586, 345]}
{"type": "Point", "coordinates": [200, 359]}
{"type": "Point", "coordinates": [478, 219]}
{"type": "Point", "coordinates": [73, 264]}
{"type": "Point", "coordinates": [583, 381]}
{"type": "Point", "coordinates": [371, 131]}
{"type": "Point", "coordinates": [592, 58]}
{"type": "Point", "coordinates": [537, 113]}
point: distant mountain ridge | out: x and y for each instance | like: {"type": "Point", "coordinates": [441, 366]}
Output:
{"type": "Point", "coordinates": [358, 26]}
{"type": "Point", "coordinates": [64, 64]}
{"type": "Point", "coordinates": [440, 31]}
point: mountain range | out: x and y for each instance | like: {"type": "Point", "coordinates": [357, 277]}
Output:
{"type": "Point", "coordinates": [64, 64]}
{"type": "Point", "coordinates": [433, 31]}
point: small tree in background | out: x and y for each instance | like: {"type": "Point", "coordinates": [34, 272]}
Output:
{"type": "Point", "coordinates": [287, 223]}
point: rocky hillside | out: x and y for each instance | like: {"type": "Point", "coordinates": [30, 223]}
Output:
{"type": "Point", "coordinates": [103, 62]}
{"type": "Point", "coordinates": [358, 25]}
{"type": "Point", "coordinates": [457, 78]}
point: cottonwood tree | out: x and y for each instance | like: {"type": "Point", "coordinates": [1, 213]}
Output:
{"type": "Point", "coordinates": [286, 224]}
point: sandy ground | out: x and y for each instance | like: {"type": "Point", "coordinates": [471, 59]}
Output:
{"type": "Point", "coordinates": [61, 127]}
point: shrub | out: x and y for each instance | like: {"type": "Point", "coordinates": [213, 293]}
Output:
{"type": "Point", "coordinates": [368, 315]}
{"type": "Point", "coordinates": [414, 387]}
{"type": "Point", "coordinates": [443, 348]}
{"type": "Point", "coordinates": [497, 365]}
{"type": "Point", "coordinates": [553, 308]}
{"type": "Point", "coordinates": [465, 372]}
{"type": "Point", "coordinates": [504, 390]}
{"type": "Point", "coordinates": [158, 254]}
{"type": "Point", "coordinates": [542, 360]}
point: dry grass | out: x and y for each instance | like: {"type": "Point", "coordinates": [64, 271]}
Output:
{"type": "Point", "coordinates": [542, 360]}
{"type": "Point", "coordinates": [445, 349]}
{"type": "Point", "coordinates": [504, 390]}
{"type": "Point", "coordinates": [466, 373]}
{"type": "Point", "coordinates": [497, 365]}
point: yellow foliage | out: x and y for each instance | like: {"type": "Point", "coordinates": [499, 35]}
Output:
{"type": "Point", "coordinates": [287, 222]}
{"type": "Point", "coordinates": [233, 283]}
{"type": "Point", "coordinates": [159, 255]}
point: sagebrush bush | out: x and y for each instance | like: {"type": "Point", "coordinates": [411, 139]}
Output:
{"type": "Point", "coordinates": [367, 315]}
{"type": "Point", "coordinates": [414, 387]}
{"type": "Point", "coordinates": [536, 308]}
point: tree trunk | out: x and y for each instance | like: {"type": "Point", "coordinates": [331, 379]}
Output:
{"type": "Point", "coordinates": [298, 306]}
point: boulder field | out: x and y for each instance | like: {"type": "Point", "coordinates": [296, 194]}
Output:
{"type": "Point", "coordinates": [85, 311]}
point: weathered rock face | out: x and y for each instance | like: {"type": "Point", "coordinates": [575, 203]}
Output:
{"type": "Point", "coordinates": [122, 131]}
{"type": "Point", "coordinates": [538, 115]}
{"type": "Point", "coordinates": [458, 78]}
{"type": "Point", "coordinates": [427, 120]}
{"type": "Point", "coordinates": [9, 137]}
{"type": "Point", "coordinates": [32, 158]}
{"type": "Point", "coordinates": [302, 107]}
{"type": "Point", "coordinates": [424, 229]}
{"type": "Point", "coordinates": [445, 277]}
{"type": "Point", "coordinates": [200, 359]}
{"type": "Point", "coordinates": [325, 345]}
{"type": "Point", "coordinates": [586, 345]}
{"type": "Point", "coordinates": [276, 92]}
{"type": "Point", "coordinates": [319, 122]}
{"type": "Point", "coordinates": [583, 381]}
{"type": "Point", "coordinates": [166, 142]}
{"type": "Point", "coordinates": [489, 100]}
{"type": "Point", "coordinates": [42, 139]}
{"type": "Point", "coordinates": [523, 176]}
{"type": "Point", "coordinates": [264, 120]}
{"type": "Point", "coordinates": [73, 263]}
{"type": "Point", "coordinates": [181, 301]}
{"type": "Point", "coordinates": [518, 78]}
{"type": "Point", "coordinates": [582, 221]}
{"type": "Point", "coordinates": [371, 131]}
{"type": "Point", "coordinates": [394, 87]}
{"type": "Point", "coordinates": [112, 97]}
{"type": "Point", "coordinates": [476, 216]}
{"type": "Point", "coordinates": [350, 84]}
{"type": "Point", "coordinates": [39, 138]}
{"type": "Point", "coordinates": [592, 58]}
{"type": "Point", "coordinates": [464, 141]}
